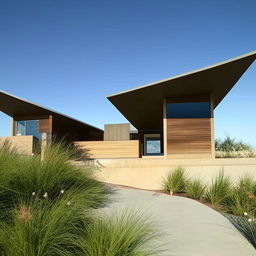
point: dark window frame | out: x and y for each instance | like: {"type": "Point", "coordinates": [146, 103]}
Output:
{"type": "Point", "coordinates": [145, 146]}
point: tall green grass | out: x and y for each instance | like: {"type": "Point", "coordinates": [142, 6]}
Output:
{"type": "Point", "coordinates": [48, 208]}
{"type": "Point", "coordinates": [242, 199]}
{"type": "Point", "coordinates": [175, 181]}
{"type": "Point", "coordinates": [24, 177]}
{"type": "Point", "coordinates": [246, 227]}
{"type": "Point", "coordinates": [130, 233]}
{"type": "Point", "coordinates": [45, 228]}
{"type": "Point", "coordinates": [195, 189]}
{"type": "Point", "coordinates": [219, 190]}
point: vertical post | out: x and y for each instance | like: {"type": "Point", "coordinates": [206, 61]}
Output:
{"type": "Point", "coordinates": [13, 132]}
{"type": "Point", "coordinates": [43, 144]}
{"type": "Point", "coordinates": [164, 128]}
{"type": "Point", "coordinates": [212, 126]}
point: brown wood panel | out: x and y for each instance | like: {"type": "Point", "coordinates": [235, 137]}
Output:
{"type": "Point", "coordinates": [109, 149]}
{"type": "Point", "coordinates": [45, 126]}
{"type": "Point", "coordinates": [189, 136]}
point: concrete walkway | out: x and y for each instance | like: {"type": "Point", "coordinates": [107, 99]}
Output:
{"type": "Point", "coordinates": [191, 228]}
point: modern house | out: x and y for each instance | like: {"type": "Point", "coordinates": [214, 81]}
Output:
{"type": "Point", "coordinates": [173, 118]}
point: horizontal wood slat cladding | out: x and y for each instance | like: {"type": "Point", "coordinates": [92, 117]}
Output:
{"type": "Point", "coordinates": [109, 149]}
{"type": "Point", "coordinates": [189, 136]}
{"type": "Point", "coordinates": [45, 125]}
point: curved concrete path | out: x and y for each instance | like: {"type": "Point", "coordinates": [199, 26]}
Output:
{"type": "Point", "coordinates": [191, 228]}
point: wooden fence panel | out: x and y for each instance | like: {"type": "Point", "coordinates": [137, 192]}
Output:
{"type": "Point", "coordinates": [109, 149]}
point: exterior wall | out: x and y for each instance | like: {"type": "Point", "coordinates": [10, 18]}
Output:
{"type": "Point", "coordinates": [109, 149]}
{"type": "Point", "coordinates": [149, 173]}
{"type": "Point", "coordinates": [116, 132]}
{"type": "Point", "coordinates": [45, 125]}
{"type": "Point", "coordinates": [188, 137]}
{"type": "Point", "coordinates": [25, 145]}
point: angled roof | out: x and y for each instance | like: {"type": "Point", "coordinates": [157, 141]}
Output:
{"type": "Point", "coordinates": [143, 106]}
{"type": "Point", "coordinates": [15, 106]}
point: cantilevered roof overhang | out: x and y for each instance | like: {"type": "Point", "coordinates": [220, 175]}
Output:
{"type": "Point", "coordinates": [143, 106]}
{"type": "Point", "coordinates": [17, 107]}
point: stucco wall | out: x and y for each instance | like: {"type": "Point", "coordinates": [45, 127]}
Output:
{"type": "Point", "coordinates": [23, 144]}
{"type": "Point", "coordinates": [149, 173]}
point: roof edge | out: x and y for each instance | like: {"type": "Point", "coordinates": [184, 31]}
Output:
{"type": "Point", "coordinates": [184, 74]}
{"type": "Point", "coordinates": [48, 109]}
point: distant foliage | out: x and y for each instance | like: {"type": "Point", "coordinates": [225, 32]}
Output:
{"type": "Point", "coordinates": [229, 144]}
{"type": "Point", "coordinates": [230, 148]}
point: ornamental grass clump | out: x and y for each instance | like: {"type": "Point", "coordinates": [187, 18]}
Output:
{"type": "Point", "coordinates": [68, 227]}
{"type": "Point", "coordinates": [242, 199]}
{"type": "Point", "coordinates": [246, 226]}
{"type": "Point", "coordinates": [24, 177]}
{"type": "Point", "coordinates": [195, 189]}
{"type": "Point", "coordinates": [219, 190]}
{"type": "Point", "coordinates": [129, 233]}
{"type": "Point", "coordinates": [44, 228]}
{"type": "Point", "coordinates": [47, 207]}
{"type": "Point", "coordinates": [175, 181]}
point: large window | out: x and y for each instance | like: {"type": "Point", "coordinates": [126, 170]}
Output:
{"type": "Point", "coordinates": [188, 110]}
{"type": "Point", "coordinates": [28, 127]}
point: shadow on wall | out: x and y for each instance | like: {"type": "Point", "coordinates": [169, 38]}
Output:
{"type": "Point", "coordinates": [81, 153]}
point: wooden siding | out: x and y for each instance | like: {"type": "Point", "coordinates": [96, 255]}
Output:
{"type": "Point", "coordinates": [23, 144]}
{"type": "Point", "coordinates": [116, 132]}
{"type": "Point", "coordinates": [45, 125]}
{"type": "Point", "coordinates": [189, 137]}
{"type": "Point", "coordinates": [109, 149]}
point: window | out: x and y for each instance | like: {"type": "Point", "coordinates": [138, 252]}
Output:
{"type": "Point", "coordinates": [29, 127]}
{"type": "Point", "coordinates": [188, 110]}
{"type": "Point", "coordinates": [153, 146]}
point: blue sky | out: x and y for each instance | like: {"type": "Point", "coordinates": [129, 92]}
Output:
{"type": "Point", "coordinates": [69, 54]}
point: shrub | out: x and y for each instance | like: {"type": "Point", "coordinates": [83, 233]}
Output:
{"type": "Point", "coordinates": [242, 198]}
{"type": "Point", "coordinates": [229, 148]}
{"type": "Point", "coordinates": [175, 181]}
{"type": "Point", "coordinates": [195, 189]}
{"type": "Point", "coordinates": [246, 227]}
{"type": "Point", "coordinates": [21, 177]}
{"type": "Point", "coordinates": [46, 209]}
{"type": "Point", "coordinates": [219, 190]}
{"type": "Point", "coordinates": [235, 154]}
{"type": "Point", "coordinates": [45, 228]}
{"type": "Point", "coordinates": [123, 235]}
